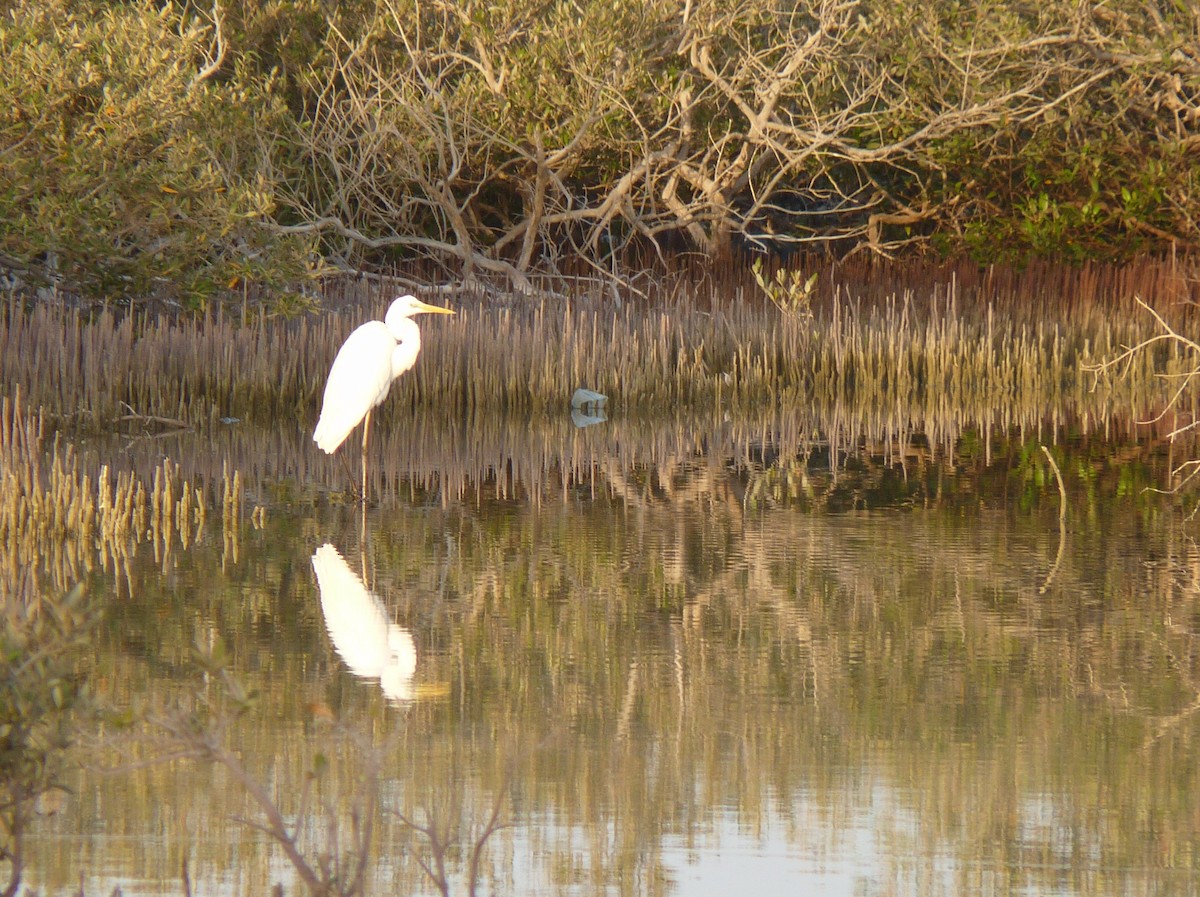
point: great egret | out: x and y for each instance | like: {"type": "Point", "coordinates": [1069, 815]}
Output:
{"type": "Point", "coordinates": [372, 357]}
{"type": "Point", "coordinates": [369, 643]}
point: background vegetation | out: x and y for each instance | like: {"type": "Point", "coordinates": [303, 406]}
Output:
{"type": "Point", "coordinates": [180, 150]}
{"type": "Point", "coordinates": [918, 342]}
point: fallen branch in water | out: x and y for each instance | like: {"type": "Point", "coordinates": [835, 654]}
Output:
{"type": "Point", "coordinates": [152, 418]}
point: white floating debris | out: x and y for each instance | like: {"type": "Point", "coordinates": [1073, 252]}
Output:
{"type": "Point", "coordinates": [583, 398]}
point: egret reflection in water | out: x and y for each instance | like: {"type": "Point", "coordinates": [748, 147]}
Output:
{"type": "Point", "coordinates": [369, 643]}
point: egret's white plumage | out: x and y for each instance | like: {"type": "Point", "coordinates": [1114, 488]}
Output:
{"type": "Point", "coordinates": [369, 360]}
{"type": "Point", "coordinates": [372, 357]}
{"type": "Point", "coordinates": [369, 643]}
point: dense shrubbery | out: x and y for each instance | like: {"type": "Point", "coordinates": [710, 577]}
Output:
{"type": "Point", "coordinates": [122, 171]}
{"type": "Point", "coordinates": [141, 147]}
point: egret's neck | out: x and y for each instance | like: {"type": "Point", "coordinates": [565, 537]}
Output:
{"type": "Point", "coordinates": [408, 343]}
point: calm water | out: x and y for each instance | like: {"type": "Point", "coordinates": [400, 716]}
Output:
{"type": "Point", "coordinates": [899, 674]}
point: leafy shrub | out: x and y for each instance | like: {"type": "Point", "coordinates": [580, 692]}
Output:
{"type": "Point", "coordinates": [506, 136]}
{"type": "Point", "coordinates": [122, 172]}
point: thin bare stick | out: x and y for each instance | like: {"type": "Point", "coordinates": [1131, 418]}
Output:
{"type": "Point", "coordinates": [1062, 491]}
{"type": "Point", "coordinates": [1062, 522]}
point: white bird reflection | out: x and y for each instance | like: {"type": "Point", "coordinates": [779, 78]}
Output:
{"type": "Point", "coordinates": [368, 642]}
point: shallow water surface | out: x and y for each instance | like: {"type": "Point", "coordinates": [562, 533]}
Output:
{"type": "Point", "coordinates": [671, 676]}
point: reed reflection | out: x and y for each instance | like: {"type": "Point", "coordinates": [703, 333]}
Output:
{"type": "Point", "coordinates": [712, 659]}
{"type": "Point", "coordinates": [370, 645]}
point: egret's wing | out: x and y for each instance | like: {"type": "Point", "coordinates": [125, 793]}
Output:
{"type": "Point", "coordinates": [358, 381]}
{"type": "Point", "coordinates": [355, 618]}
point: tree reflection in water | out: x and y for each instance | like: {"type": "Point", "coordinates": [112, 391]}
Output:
{"type": "Point", "coordinates": [849, 673]}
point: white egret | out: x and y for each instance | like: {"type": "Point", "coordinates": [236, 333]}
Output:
{"type": "Point", "coordinates": [372, 357]}
{"type": "Point", "coordinates": [369, 643]}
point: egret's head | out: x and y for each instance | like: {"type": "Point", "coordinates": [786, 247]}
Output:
{"type": "Point", "coordinates": [407, 306]}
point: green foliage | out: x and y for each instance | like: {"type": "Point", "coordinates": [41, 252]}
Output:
{"type": "Point", "coordinates": [1051, 199]}
{"type": "Point", "coordinates": [791, 291]}
{"type": "Point", "coordinates": [172, 149]}
{"type": "Point", "coordinates": [122, 173]}
{"type": "Point", "coordinates": [1106, 170]}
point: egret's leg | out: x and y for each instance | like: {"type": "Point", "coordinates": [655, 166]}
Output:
{"type": "Point", "coordinates": [366, 436]}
